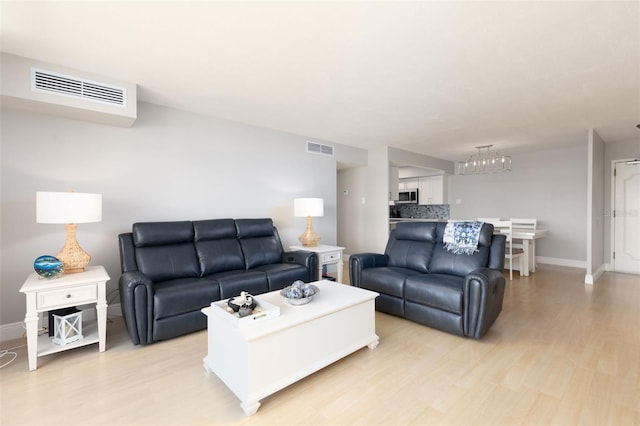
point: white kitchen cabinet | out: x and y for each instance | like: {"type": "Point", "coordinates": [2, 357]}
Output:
{"type": "Point", "coordinates": [431, 190]}
{"type": "Point", "coordinates": [405, 184]}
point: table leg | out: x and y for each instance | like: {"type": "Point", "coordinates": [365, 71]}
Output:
{"type": "Point", "coordinates": [525, 249]}
{"type": "Point", "coordinates": [320, 270]}
{"type": "Point", "coordinates": [101, 317]}
{"type": "Point", "coordinates": [533, 255]}
{"type": "Point", "coordinates": [340, 268]}
{"type": "Point", "coordinates": [250, 407]}
{"type": "Point", "coordinates": [31, 322]}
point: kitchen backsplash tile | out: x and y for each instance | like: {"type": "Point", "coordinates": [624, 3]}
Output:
{"type": "Point", "coordinates": [420, 211]}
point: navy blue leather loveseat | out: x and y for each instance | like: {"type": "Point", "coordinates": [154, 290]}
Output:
{"type": "Point", "coordinates": [419, 279]}
{"type": "Point", "coordinates": [170, 270]}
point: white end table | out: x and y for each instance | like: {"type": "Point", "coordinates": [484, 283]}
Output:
{"type": "Point", "coordinates": [327, 255]}
{"type": "Point", "coordinates": [81, 288]}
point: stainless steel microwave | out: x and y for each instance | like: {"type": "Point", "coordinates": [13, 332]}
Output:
{"type": "Point", "coordinates": [409, 196]}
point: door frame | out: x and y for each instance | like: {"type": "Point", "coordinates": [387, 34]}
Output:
{"type": "Point", "coordinates": [612, 226]}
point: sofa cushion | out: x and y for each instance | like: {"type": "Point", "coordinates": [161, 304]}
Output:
{"type": "Point", "coordinates": [259, 241]}
{"type": "Point", "coordinates": [234, 282]}
{"type": "Point", "coordinates": [146, 234]}
{"type": "Point", "coordinates": [410, 245]}
{"type": "Point", "coordinates": [439, 291]}
{"type": "Point", "coordinates": [280, 275]}
{"type": "Point", "coordinates": [164, 250]}
{"type": "Point", "coordinates": [445, 262]}
{"type": "Point", "coordinates": [162, 263]}
{"type": "Point", "coordinates": [219, 256]}
{"type": "Point", "coordinates": [183, 295]}
{"type": "Point", "coordinates": [388, 279]}
{"type": "Point", "coordinates": [214, 229]}
{"type": "Point", "coordinates": [217, 247]}
{"type": "Point", "coordinates": [251, 228]}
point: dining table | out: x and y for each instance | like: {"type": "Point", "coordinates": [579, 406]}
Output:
{"type": "Point", "coordinates": [528, 238]}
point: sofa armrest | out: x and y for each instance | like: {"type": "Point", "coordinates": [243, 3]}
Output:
{"type": "Point", "coordinates": [136, 301]}
{"type": "Point", "coordinates": [360, 261]}
{"type": "Point", "coordinates": [307, 259]}
{"type": "Point", "coordinates": [483, 295]}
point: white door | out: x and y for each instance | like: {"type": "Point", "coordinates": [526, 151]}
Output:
{"type": "Point", "coordinates": [627, 218]}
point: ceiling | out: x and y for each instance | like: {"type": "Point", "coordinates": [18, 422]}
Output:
{"type": "Point", "coordinates": [437, 78]}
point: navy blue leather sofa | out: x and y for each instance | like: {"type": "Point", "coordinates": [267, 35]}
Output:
{"type": "Point", "coordinates": [420, 280]}
{"type": "Point", "coordinates": [170, 270]}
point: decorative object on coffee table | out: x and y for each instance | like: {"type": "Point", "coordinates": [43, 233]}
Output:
{"type": "Point", "coordinates": [260, 311]}
{"type": "Point", "coordinates": [243, 304]}
{"type": "Point", "coordinates": [308, 207]}
{"type": "Point", "coordinates": [48, 267]}
{"type": "Point", "coordinates": [299, 293]}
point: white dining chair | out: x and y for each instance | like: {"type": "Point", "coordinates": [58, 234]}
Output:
{"type": "Point", "coordinates": [526, 225]}
{"type": "Point", "coordinates": [488, 219]}
{"type": "Point", "coordinates": [505, 227]}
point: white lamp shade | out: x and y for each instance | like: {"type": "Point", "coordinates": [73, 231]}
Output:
{"type": "Point", "coordinates": [303, 207]}
{"type": "Point", "coordinates": [68, 207]}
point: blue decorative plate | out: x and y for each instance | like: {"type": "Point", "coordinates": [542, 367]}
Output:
{"type": "Point", "coordinates": [48, 267]}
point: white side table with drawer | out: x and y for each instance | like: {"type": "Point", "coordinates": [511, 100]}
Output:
{"type": "Point", "coordinates": [81, 288]}
{"type": "Point", "coordinates": [327, 255]}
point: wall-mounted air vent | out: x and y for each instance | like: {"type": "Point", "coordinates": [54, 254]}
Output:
{"type": "Point", "coordinates": [318, 148]}
{"type": "Point", "coordinates": [66, 85]}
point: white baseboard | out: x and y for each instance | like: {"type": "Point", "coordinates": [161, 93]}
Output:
{"type": "Point", "coordinates": [16, 330]}
{"type": "Point", "coordinates": [562, 262]}
{"type": "Point", "coordinates": [592, 278]}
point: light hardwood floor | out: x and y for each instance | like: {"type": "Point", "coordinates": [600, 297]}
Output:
{"type": "Point", "coordinates": [560, 353]}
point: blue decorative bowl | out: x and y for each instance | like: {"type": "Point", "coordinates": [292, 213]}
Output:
{"type": "Point", "coordinates": [48, 267]}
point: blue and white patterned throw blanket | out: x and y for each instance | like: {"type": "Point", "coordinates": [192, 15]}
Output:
{"type": "Point", "coordinates": [461, 237]}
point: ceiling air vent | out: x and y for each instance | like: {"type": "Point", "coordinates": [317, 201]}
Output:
{"type": "Point", "coordinates": [318, 148]}
{"type": "Point", "coordinates": [66, 85]}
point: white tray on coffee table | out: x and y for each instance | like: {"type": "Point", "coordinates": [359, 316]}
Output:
{"type": "Point", "coordinates": [263, 311]}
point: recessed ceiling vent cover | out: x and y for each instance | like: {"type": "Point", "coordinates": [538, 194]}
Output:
{"type": "Point", "coordinates": [78, 88]}
{"type": "Point", "coordinates": [318, 148]}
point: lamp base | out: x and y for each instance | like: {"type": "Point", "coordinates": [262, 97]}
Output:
{"type": "Point", "coordinates": [73, 257]}
{"type": "Point", "coordinates": [309, 238]}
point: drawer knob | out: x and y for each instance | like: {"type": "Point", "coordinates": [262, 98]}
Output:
{"type": "Point", "coordinates": [68, 296]}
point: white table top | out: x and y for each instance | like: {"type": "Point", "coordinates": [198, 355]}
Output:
{"type": "Point", "coordinates": [92, 273]}
{"type": "Point", "coordinates": [320, 248]}
{"type": "Point", "coordinates": [331, 298]}
{"type": "Point", "coordinates": [529, 235]}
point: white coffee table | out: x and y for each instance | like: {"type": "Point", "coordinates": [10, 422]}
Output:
{"type": "Point", "coordinates": [259, 359]}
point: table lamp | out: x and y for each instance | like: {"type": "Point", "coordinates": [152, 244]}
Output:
{"type": "Point", "coordinates": [308, 207]}
{"type": "Point", "coordinates": [69, 208]}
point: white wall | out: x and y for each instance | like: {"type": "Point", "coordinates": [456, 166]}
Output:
{"type": "Point", "coordinates": [549, 185]}
{"type": "Point", "coordinates": [171, 165]}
